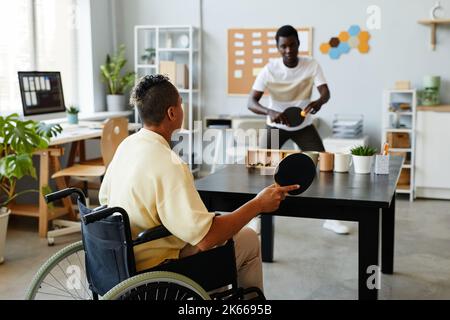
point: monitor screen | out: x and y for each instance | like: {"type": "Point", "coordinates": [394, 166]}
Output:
{"type": "Point", "coordinates": [41, 92]}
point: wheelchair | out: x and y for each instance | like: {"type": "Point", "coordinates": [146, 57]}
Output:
{"type": "Point", "coordinates": [102, 265]}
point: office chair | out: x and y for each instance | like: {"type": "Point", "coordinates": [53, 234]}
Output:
{"type": "Point", "coordinates": [113, 133]}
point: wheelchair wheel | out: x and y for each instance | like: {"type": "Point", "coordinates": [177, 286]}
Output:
{"type": "Point", "coordinates": [62, 277]}
{"type": "Point", "coordinates": [157, 285]}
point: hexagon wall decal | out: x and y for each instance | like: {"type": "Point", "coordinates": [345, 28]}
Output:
{"type": "Point", "coordinates": [334, 42]}
{"type": "Point", "coordinates": [344, 36]}
{"type": "Point", "coordinates": [353, 42]}
{"type": "Point", "coordinates": [325, 48]}
{"type": "Point", "coordinates": [353, 38]}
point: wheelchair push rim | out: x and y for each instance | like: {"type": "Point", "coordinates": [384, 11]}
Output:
{"type": "Point", "coordinates": [63, 276]}
{"type": "Point", "coordinates": [157, 285]}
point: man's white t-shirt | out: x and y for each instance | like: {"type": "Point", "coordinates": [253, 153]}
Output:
{"type": "Point", "coordinates": [289, 87]}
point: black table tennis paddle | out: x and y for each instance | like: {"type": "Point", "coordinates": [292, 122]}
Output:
{"type": "Point", "coordinates": [296, 168]}
{"type": "Point", "coordinates": [295, 116]}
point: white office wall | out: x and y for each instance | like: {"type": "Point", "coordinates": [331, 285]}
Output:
{"type": "Point", "coordinates": [400, 50]}
{"type": "Point", "coordinates": [102, 44]}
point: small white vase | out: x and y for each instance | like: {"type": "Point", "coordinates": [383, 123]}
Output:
{"type": "Point", "coordinates": [362, 164]}
{"type": "Point", "coordinates": [115, 102]}
{"type": "Point", "coordinates": [4, 216]}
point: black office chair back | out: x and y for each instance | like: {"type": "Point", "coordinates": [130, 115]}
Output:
{"type": "Point", "coordinates": [108, 250]}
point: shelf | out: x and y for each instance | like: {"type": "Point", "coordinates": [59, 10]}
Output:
{"type": "Point", "coordinates": [441, 108]}
{"type": "Point", "coordinates": [401, 90]}
{"type": "Point", "coordinates": [398, 130]}
{"type": "Point", "coordinates": [30, 210]}
{"type": "Point", "coordinates": [187, 90]}
{"type": "Point", "coordinates": [401, 113]}
{"type": "Point", "coordinates": [146, 66]}
{"type": "Point", "coordinates": [175, 50]}
{"type": "Point", "coordinates": [400, 149]}
{"type": "Point", "coordinates": [434, 24]}
{"type": "Point", "coordinates": [436, 21]}
{"type": "Point", "coordinates": [401, 190]}
{"type": "Point", "coordinates": [406, 166]}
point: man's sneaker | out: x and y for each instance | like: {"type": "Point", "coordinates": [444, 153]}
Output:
{"type": "Point", "coordinates": [336, 226]}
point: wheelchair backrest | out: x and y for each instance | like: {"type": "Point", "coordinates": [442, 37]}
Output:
{"type": "Point", "coordinates": [108, 252]}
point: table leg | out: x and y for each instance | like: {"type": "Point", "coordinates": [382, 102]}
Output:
{"type": "Point", "coordinates": [267, 237]}
{"type": "Point", "coordinates": [368, 250]}
{"type": "Point", "coordinates": [387, 238]}
{"type": "Point", "coordinates": [61, 184]}
{"type": "Point", "coordinates": [44, 164]}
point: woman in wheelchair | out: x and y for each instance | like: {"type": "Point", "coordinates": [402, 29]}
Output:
{"type": "Point", "coordinates": [178, 250]}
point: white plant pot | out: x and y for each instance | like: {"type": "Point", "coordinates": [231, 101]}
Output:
{"type": "Point", "coordinates": [4, 216]}
{"type": "Point", "coordinates": [362, 164]}
{"type": "Point", "coordinates": [115, 102]}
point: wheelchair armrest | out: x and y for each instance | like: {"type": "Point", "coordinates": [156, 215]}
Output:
{"type": "Point", "coordinates": [151, 234]}
{"type": "Point", "coordinates": [154, 234]}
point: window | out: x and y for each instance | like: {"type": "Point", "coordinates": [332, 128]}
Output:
{"type": "Point", "coordinates": [37, 35]}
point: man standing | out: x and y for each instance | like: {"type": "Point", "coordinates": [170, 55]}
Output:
{"type": "Point", "coordinates": [290, 81]}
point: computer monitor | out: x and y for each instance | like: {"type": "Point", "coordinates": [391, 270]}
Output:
{"type": "Point", "coordinates": [42, 93]}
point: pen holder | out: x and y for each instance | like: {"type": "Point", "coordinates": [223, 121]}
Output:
{"type": "Point", "coordinates": [381, 164]}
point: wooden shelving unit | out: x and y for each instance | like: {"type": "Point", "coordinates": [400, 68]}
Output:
{"type": "Point", "coordinates": [406, 183]}
{"type": "Point", "coordinates": [434, 24]}
{"type": "Point", "coordinates": [180, 44]}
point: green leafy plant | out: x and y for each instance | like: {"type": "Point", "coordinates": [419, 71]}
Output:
{"type": "Point", "coordinates": [48, 130]}
{"type": "Point", "coordinates": [117, 82]}
{"type": "Point", "coordinates": [149, 55]}
{"type": "Point", "coordinates": [18, 141]}
{"type": "Point", "coordinates": [72, 110]}
{"type": "Point", "coordinates": [363, 151]}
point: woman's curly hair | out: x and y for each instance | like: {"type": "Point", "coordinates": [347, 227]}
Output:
{"type": "Point", "coordinates": [153, 95]}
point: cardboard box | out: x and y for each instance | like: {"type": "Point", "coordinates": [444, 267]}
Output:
{"type": "Point", "coordinates": [403, 85]}
{"type": "Point", "coordinates": [405, 177]}
{"type": "Point", "coordinates": [398, 140]}
{"type": "Point", "coordinates": [169, 69]}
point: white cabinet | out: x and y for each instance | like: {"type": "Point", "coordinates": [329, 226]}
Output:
{"type": "Point", "coordinates": [433, 154]}
{"type": "Point", "coordinates": [175, 52]}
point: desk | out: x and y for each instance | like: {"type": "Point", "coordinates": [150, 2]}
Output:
{"type": "Point", "coordinates": [350, 197]}
{"type": "Point", "coordinates": [49, 162]}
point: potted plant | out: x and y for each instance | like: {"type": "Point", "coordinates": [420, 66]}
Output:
{"type": "Point", "coordinates": [72, 115]}
{"type": "Point", "coordinates": [362, 158]}
{"type": "Point", "coordinates": [117, 82]}
{"type": "Point", "coordinates": [149, 56]}
{"type": "Point", "coordinates": [18, 141]}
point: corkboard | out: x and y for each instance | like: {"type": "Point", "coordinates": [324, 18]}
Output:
{"type": "Point", "coordinates": [249, 50]}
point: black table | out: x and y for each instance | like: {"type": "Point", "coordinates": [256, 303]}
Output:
{"type": "Point", "coordinates": [338, 196]}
